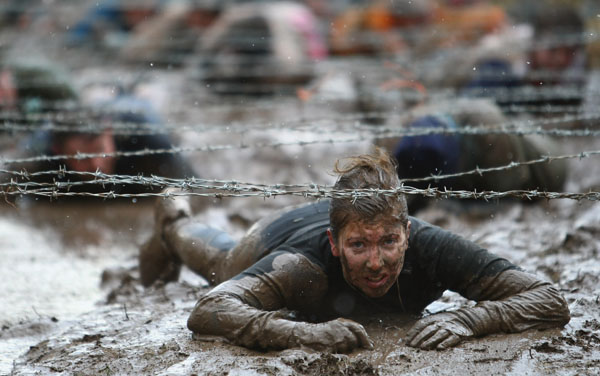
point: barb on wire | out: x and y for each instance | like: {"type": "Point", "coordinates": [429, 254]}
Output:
{"type": "Point", "coordinates": [322, 193]}
{"type": "Point", "coordinates": [230, 188]}
{"type": "Point", "coordinates": [385, 132]}
{"type": "Point", "coordinates": [14, 122]}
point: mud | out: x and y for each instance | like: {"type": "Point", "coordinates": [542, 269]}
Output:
{"type": "Point", "coordinates": [72, 301]}
{"type": "Point", "coordinates": [122, 328]}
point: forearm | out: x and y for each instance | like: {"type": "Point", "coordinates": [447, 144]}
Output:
{"type": "Point", "coordinates": [541, 306]}
{"type": "Point", "coordinates": [512, 301]}
{"type": "Point", "coordinates": [227, 316]}
{"type": "Point", "coordinates": [247, 310]}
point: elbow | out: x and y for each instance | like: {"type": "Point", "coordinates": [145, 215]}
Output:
{"type": "Point", "coordinates": [556, 308]}
{"type": "Point", "coordinates": [562, 308]}
{"type": "Point", "coordinates": [196, 320]}
{"type": "Point", "coordinates": [202, 320]}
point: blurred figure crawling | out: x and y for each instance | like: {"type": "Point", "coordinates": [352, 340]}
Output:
{"type": "Point", "coordinates": [558, 59]}
{"type": "Point", "coordinates": [538, 65]}
{"type": "Point", "coordinates": [163, 32]}
{"type": "Point", "coordinates": [34, 86]}
{"type": "Point", "coordinates": [261, 48]}
{"type": "Point", "coordinates": [439, 154]}
{"type": "Point", "coordinates": [418, 26]}
{"type": "Point", "coordinates": [120, 125]}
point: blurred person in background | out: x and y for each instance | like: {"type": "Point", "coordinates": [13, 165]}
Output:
{"type": "Point", "coordinates": [558, 53]}
{"type": "Point", "coordinates": [98, 134]}
{"type": "Point", "coordinates": [261, 48]}
{"type": "Point", "coordinates": [163, 32]}
{"type": "Point", "coordinates": [34, 86]}
{"type": "Point", "coordinates": [439, 153]}
{"type": "Point", "coordinates": [378, 27]}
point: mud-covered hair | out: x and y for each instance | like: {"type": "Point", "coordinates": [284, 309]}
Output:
{"type": "Point", "coordinates": [376, 170]}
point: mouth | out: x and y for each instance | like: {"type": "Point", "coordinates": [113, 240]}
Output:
{"type": "Point", "coordinates": [376, 282]}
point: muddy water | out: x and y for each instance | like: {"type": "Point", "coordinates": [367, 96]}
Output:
{"type": "Point", "coordinates": [53, 255]}
{"type": "Point", "coordinates": [60, 320]}
{"type": "Point", "coordinates": [57, 317]}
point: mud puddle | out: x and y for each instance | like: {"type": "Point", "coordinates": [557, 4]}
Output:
{"type": "Point", "coordinates": [124, 329]}
{"type": "Point", "coordinates": [53, 257]}
{"type": "Point", "coordinates": [57, 257]}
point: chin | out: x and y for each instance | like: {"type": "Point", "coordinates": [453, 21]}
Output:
{"type": "Point", "coordinates": [376, 293]}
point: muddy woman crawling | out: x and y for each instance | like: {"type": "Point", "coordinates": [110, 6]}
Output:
{"type": "Point", "coordinates": [296, 277]}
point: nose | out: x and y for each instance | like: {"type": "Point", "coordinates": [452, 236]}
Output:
{"type": "Point", "coordinates": [375, 261]}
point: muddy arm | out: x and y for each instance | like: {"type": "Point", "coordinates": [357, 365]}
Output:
{"type": "Point", "coordinates": [513, 301]}
{"type": "Point", "coordinates": [247, 310]}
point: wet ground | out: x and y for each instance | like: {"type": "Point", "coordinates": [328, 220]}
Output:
{"type": "Point", "coordinates": [75, 305]}
{"type": "Point", "coordinates": [72, 302]}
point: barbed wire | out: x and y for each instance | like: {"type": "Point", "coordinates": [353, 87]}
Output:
{"type": "Point", "coordinates": [319, 192]}
{"type": "Point", "coordinates": [351, 124]}
{"type": "Point", "coordinates": [525, 92]}
{"type": "Point", "coordinates": [380, 134]}
{"type": "Point", "coordinates": [232, 188]}
{"type": "Point", "coordinates": [75, 118]}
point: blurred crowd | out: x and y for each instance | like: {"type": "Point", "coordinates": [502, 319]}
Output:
{"type": "Point", "coordinates": [445, 64]}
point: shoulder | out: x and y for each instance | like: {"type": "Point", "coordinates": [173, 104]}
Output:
{"type": "Point", "coordinates": [421, 230]}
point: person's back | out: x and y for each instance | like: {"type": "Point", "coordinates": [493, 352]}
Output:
{"type": "Point", "coordinates": [453, 153]}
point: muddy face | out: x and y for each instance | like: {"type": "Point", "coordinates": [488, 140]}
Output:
{"type": "Point", "coordinates": [371, 254]}
{"type": "Point", "coordinates": [93, 144]}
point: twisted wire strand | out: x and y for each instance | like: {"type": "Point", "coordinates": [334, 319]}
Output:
{"type": "Point", "coordinates": [72, 120]}
{"type": "Point", "coordinates": [319, 193]}
{"type": "Point", "coordinates": [386, 133]}
{"type": "Point", "coordinates": [516, 127]}
{"type": "Point", "coordinates": [232, 188]}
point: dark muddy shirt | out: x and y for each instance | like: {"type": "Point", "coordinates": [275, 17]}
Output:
{"type": "Point", "coordinates": [436, 260]}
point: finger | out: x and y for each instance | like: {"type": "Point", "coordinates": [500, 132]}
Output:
{"type": "Point", "coordinates": [342, 339]}
{"type": "Point", "coordinates": [362, 336]}
{"type": "Point", "coordinates": [351, 341]}
{"type": "Point", "coordinates": [423, 335]}
{"type": "Point", "coordinates": [417, 328]}
{"type": "Point", "coordinates": [451, 341]}
{"type": "Point", "coordinates": [435, 339]}
{"type": "Point", "coordinates": [347, 342]}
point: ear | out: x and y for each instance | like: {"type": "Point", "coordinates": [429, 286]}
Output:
{"type": "Point", "coordinates": [408, 230]}
{"type": "Point", "coordinates": [334, 250]}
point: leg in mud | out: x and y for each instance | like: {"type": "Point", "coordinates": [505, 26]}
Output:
{"type": "Point", "coordinates": [201, 248]}
{"type": "Point", "coordinates": [178, 239]}
{"type": "Point", "coordinates": [214, 255]}
{"type": "Point", "coordinates": [156, 260]}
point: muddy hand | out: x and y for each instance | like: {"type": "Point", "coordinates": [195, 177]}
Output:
{"type": "Point", "coordinates": [439, 332]}
{"type": "Point", "coordinates": [340, 336]}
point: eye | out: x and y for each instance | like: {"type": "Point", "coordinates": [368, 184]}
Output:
{"type": "Point", "coordinates": [391, 241]}
{"type": "Point", "coordinates": [356, 244]}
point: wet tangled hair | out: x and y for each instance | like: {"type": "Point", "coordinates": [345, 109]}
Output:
{"type": "Point", "coordinates": [377, 170]}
